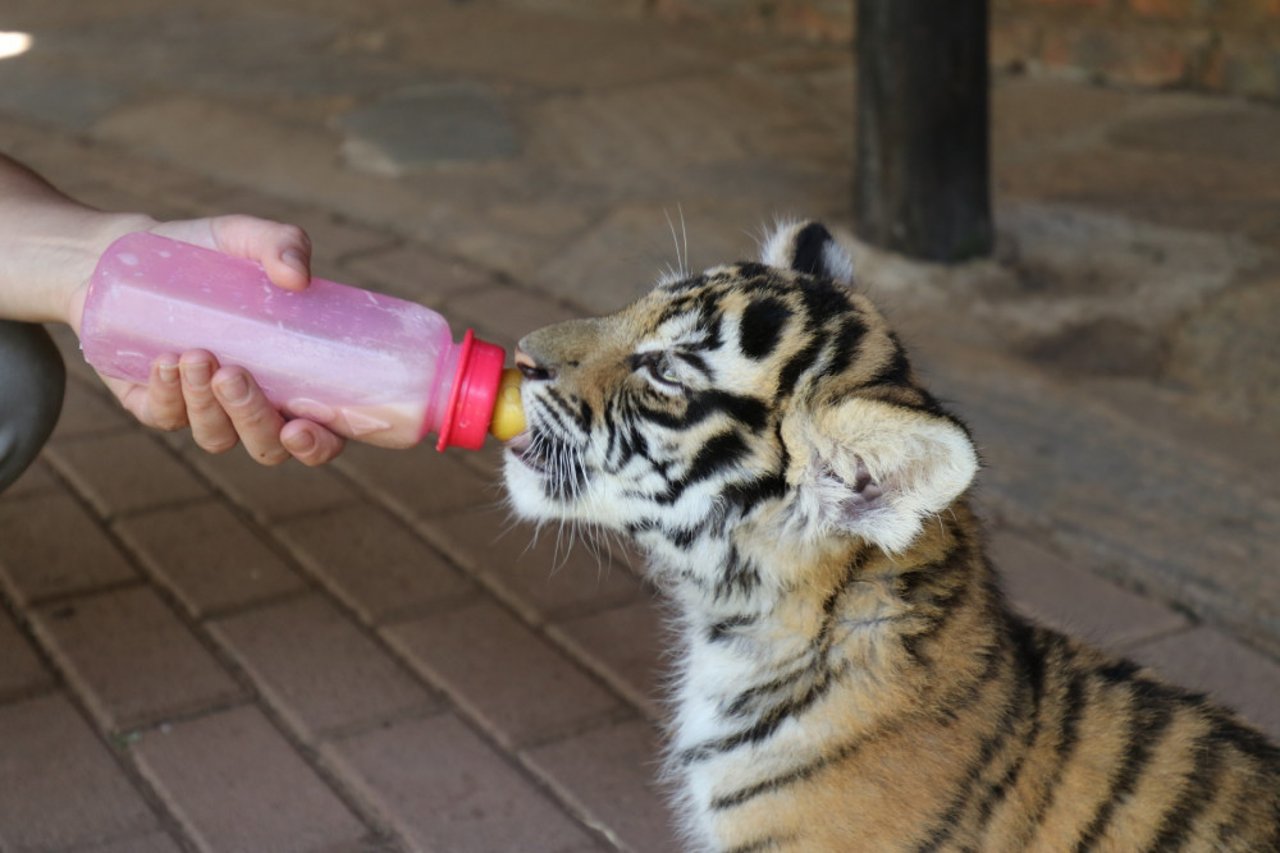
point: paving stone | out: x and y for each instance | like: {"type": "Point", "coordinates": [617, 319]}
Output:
{"type": "Point", "coordinates": [443, 788]}
{"type": "Point", "coordinates": [1204, 658]}
{"type": "Point", "coordinates": [531, 47]}
{"type": "Point", "coordinates": [518, 686]}
{"type": "Point", "coordinates": [271, 493]}
{"type": "Point", "coordinates": [1225, 130]}
{"type": "Point", "coordinates": [36, 90]}
{"type": "Point", "coordinates": [1069, 597]}
{"type": "Point", "coordinates": [610, 775]}
{"type": "Point", "coordinates": [374, 563]}
{"type": "Point", "coordinates": [1233, 334]}
{"type": "Point", "coordinates": [188, 47]}
{"type": "Point", "coordinates": [156, 842]}
{"type": "Point", "coordinates": [61, 786]}
{"type": "Point", "coordinates": [34, 480]}
{"type": "Point", "coordinates": [1127, 501]}
{"type": "Point", "coordinates": [541, 579]}
{"type": "Point", "coordinates": [85, 412]}
{"type": "Point", "coordinates": [316, 667]}
{"type": "Point", "coordinates": [209, 558]}
{"type": "Point", "coordinates": [626, 645]}
{"type": "Point", "coordinates": [657, 124]}
{"type": "Point", "coordinates": [517, 235]}
{"type": "Point", "coordinates": [622, 257]}
{"type": "Point", "coordinates": [236, 785]}
{"type": "Point", "coordinates": [124, 472]}
{"type": "Point", "coordinates": [426, 125]}
{"type": "Point", "coordinates": [1029, 113]}
{"type": "Point", "coordinates": [414, 273]}
{"type": "Point", "coordinates": [52, 547]}
{"type": "Point", "coordinates": [242, 146]}
{"type": "Point", "coordinates": [504, 315]}
{"type": "Point", "coordinates": [419, 482]}
{"type": "Point", "coordinates": [21, 671]}
{"type": "Point", "coordinates": [131, 658]}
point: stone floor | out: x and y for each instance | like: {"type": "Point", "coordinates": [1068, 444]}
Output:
{"type": "Point", "coordinates": [200, 654]}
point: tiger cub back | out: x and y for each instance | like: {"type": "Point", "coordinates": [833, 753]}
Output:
{"type": "Point", "coordinates": [851, 677]}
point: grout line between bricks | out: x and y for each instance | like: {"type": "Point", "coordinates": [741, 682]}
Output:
{"type": "Point", "coordinates": [309, 754]}
{"type": "Point", "coordinates": [223, 658]}
{"type": "Point", "coordinates": [462, 713]}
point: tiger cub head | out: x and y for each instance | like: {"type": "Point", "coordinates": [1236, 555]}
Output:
{"type": "Point", "coordinates": [737, 422]}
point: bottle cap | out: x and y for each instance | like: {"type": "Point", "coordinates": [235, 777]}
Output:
{"type": "Point", "coordinates": [508, 412]}
{"type": "Point", "coordinates": [475, 389]}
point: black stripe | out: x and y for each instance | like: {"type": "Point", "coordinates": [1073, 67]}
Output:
{"type": "Point", "coordinates": [799, 774]}
{"type": "Point", "coordinates": [780, 682]}
{"type": "Point", "coordinates": [807, 249]}
{"type": "Point", "coordinates": [990, 747]}
{"type": "Point", "coordinates": [846, 344]}
{"type": "Point", "coordinates": [768, 723]}
{"type": "Point", "coordinates": [722, 629]}
{"type": "Point", "coordinates": [746, 495]}
{"type": "Point", "coordinates": [761, 327]}
{"type": "Point", "coordinates": [720, 451]}
{"type": "Point", "coordinates": [1247, 740]}
{"type": "Point", "coordinates": [568, 408]}
{"type": "Point", "coordinates": [738, 575]}
{"type": "Point", "coordinates": [749, 410]}
{"type": "Point", "coordinates": [685, 284]}
{"type": "Point", "coordinates": [895, 371]}
{"type": "Point", "coordinates": [695, 361]}
{"type": "Point", "coordinates": [1151, 715]}
{"type": "Point", "coordinates": [771, 842]}
{"type": "Point", "coordinates": [1196, 796]}
{"type": "Point", "coordinates": [796, 366]}
{"type": "Point", "coordinates": [1032, 658]}
{"type": "Point", "coordinates": [1068, 736]}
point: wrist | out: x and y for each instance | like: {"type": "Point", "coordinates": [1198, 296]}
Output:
{"type": "Point", "coordinates": [76, 257]}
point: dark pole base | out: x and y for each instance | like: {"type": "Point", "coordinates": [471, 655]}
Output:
{"type": "Point", "coordinates": [923, 164]}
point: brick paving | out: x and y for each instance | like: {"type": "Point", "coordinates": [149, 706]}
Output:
{"type": "Point", "coordinates": [199, 654]}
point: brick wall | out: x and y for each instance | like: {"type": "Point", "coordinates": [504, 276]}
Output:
{"type": "Point", "coordinates": [1228, 46]}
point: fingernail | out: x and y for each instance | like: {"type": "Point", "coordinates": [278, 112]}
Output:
{"type": "Point", "coordinates": [168, 372]}
{"type": "Point", "coordinates": [301, 442]}
{"type": "Point", "coordinates": [234, 390]}
{"type": "Point", "coordinates": [196, 374]}
{"type": "Point", "coordinates": [293, 258]}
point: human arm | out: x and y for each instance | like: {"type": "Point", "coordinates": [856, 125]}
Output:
{"type": "Point", "coordinates": [49, 245]}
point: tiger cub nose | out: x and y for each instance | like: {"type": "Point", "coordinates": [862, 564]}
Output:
{"type": "Point", "coordinates": [530, 368]}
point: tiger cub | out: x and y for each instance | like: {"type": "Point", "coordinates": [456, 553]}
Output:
{"type": "Point", "coordinates": [851, 677]}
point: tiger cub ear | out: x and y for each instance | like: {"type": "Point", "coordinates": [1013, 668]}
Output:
{"type": "Point", "coordinates": [880, 471]}
{"type": "Point", "coordinates": [807, 247]}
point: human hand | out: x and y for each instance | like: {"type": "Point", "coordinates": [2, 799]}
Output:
{"type": "Point", "coordinates": [223, 406]}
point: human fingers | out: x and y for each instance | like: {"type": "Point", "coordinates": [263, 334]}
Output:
{"type": "Point", "coordinates": [159, 403]}
{"type": "Point", "coordinates": [310, 443]}
{"type": "Point", "coordinates": [211, 427]}
{"type": "Point", "coordinates": [283, 250]}
{"type": "Point", "coordinates": [255, 420]}
{"type": "Point", "coordinates": [165, 408]}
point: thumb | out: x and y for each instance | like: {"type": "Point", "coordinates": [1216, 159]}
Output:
{"type": "Point", "coordinates": [283, 250]}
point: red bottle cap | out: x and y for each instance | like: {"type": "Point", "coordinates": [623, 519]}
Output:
{"type": "Point", "coordinates": [474, 393]}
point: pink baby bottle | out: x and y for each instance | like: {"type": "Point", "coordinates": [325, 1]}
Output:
{"type": "Point", "coordinates": [370, 367]}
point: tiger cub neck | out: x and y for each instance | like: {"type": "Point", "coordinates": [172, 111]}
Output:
{"type": "Point", "coordinates": [857, 621]}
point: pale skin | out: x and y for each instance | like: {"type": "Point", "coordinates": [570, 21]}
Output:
{"type": "Point", "coordinates": [49, 245]}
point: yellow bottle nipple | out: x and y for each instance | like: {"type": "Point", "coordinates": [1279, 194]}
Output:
{"type": "Point", "coordinates": [508, 411]}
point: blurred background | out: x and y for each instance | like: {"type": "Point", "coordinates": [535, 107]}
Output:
{"type": "Point", "coordinates": [200, 654]}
